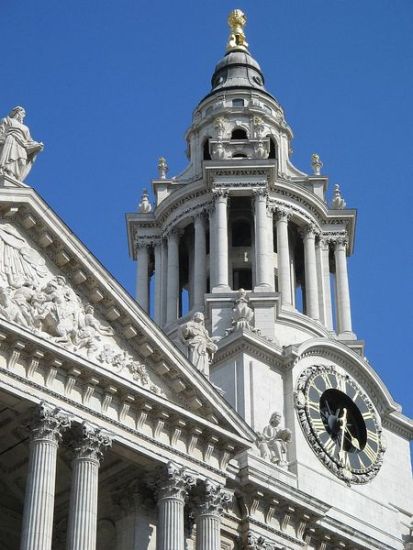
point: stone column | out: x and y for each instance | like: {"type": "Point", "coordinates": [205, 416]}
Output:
{"type": "Point", "coordinates": [343, 310]}
{"type": "Point", "coordinates": [199, 261]}
{"type": "Point", "coordinates": [210, 504]}
{"type": "Point", "coordinates": [172, 487]}
{"type": "Point", "coordinates": [88, 448]}
{"type": "Point", "coordinates": [172, 277]}
{"type": "Point", "coordinates": [158, 282]}
{"type": "Point", "coordinates": [142, 283]}
{"type": "Point", "coordinates": [164, 279]}
{"type": "Point", "coordinates": [264, 270]}
{"type": "Point", "coordinates": [324, 286]}
{"type": "Point", "coordinates": [310, 267]}
{"type": "Point", "coordinates": [219, 251]}
{"type": "Point", "coordinates": [46, 431]}
{"type": "Point", "coordinates": [283, 254]}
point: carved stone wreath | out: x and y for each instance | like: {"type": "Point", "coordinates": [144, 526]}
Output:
{"type": "Point", "coordinates": [302, 407]}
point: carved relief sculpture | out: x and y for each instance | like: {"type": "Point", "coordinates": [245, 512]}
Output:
{"type": "Point", "coordinates": [273, 441]}
{"type": "Point", "coordinates": [33, 297]}
{"type": "Point", "coordinates": [201, 347]}
{"type": "Point", "coordinates": [17, 149]}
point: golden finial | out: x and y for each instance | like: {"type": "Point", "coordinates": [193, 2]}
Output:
{"type": "Point", "coordinates": [237, 21]}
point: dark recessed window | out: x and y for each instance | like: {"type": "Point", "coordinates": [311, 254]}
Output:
{"type": "Point", "coordinates": [238, 103]}
{"type": "Point", "coordinates": [207, 155]}
{"type": "Point", "coordinates": [239, 133]}
{"type": "Point", "coordinates": [273, 154]}
{"type": "Point", "coordinates": [242, 278]}
{"type": "Point", "coordinates": [241, 233]}
{"type": "Point", "coordinates": [239, 156]}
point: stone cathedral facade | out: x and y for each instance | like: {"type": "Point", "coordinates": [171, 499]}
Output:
{"type": "Point", "coordinates": [244, 416]}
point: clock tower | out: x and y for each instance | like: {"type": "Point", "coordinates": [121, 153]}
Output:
{"type": "Point", "coordinates": [242, 262]}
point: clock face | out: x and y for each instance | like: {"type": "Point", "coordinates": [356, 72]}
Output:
{"type": "Point", "coordinates": [340, 423]}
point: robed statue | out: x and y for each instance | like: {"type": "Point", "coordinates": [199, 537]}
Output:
{"type": "Point", "coordinates": [17, 149]}
{"type": "Point", "coordinates": [201, 347]}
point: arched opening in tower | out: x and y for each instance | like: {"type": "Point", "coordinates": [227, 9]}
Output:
{"type": "Point", "coordinates": [207, 154]}
{"type": "Point", "coordinates": [239, 133]}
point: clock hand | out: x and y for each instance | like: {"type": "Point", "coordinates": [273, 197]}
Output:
{"type": "Point", "coordinates": [353, 440]}
{"type": "Point", "coordinates": [343, 422]}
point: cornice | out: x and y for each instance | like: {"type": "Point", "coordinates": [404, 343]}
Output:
{"type": "Point", "coordinates": [78, 411]}
{"type": "Point", "coordinates": [34, 351]}
{"type": "Point", "coordinates": [249, 342]}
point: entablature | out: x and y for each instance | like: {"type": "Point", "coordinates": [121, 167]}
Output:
{"type": "Point", "coordinates": [44, 371]}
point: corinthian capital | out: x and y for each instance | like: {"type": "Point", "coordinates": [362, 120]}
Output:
{"type": "Point", "coordinates": [220, 194]}
{"type": "Point", "coordinates": [174, 481]}
{"type": "Point", "coordinates": [309, 231]}
{"type": "Point", "coordinates": [212, 498]}
{"type": "Point", "coordinates": [260, 192]}
{"type": "Point", "coordinates": [90, 442]}
{"type": "Point", "coordinates": [339, 240]}
{"type": "Point", "coordinates": [281, 213]}
{"type": "Point", "coordinates": [48, 422]}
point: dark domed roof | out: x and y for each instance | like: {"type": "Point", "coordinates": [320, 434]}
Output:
{"type": "Point", "coordinates": [237, 70]}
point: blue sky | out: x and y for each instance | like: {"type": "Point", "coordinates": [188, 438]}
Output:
{"type": "Point", "coordinates": [110, 86]}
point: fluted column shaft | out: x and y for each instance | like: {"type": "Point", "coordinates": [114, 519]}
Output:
{"type": "Point", "coordinates": [158, 283]}
{"type": "Point", "coordinates": [264, 271]}
{"type": "Point", "coordinates": [283, 254]}
{"type": "Point", "coordinates": [88, 449]}
{"type": "Point", "coordinates": [173, 487]}
{"type": "Point", "coordinates": [343, 308]}
{"type": "Point", "coordinates": [219, 251]}
{"type": "Point", "coordinates": [210, 503]}
{"type": "Point", "coordinates": [199, 288]}
{"type": "Point", "coordinates": [142, 283]}
{"type": "Point", "coordinates": [46, 429]}
{"type": "Point", "coordinates": [172, 277]}
{"type": "Point", "coordinates": [324, 286]}
{"type": "Point", "coordinates": [310, 266]}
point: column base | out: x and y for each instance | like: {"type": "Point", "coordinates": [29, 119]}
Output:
{"type": "Point", "coordinates": [265, 287]}
{"type": "Point", "coordinates": [348, 335]}
{"type": "Point", "coordinates": [288, 307]}
{"type": "Point", "coordinates": [221, 288]}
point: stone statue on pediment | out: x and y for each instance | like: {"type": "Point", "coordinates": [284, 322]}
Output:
{"type": "Point", "coordinates": [273, 441]}
{"type": "Point", "coordinates": [200, 345]}
{"type": "Point", "coordinates": [18, 150]}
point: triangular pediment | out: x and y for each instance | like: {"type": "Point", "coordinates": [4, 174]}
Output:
{"type": "Point", "coordinates": [56, 293]}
